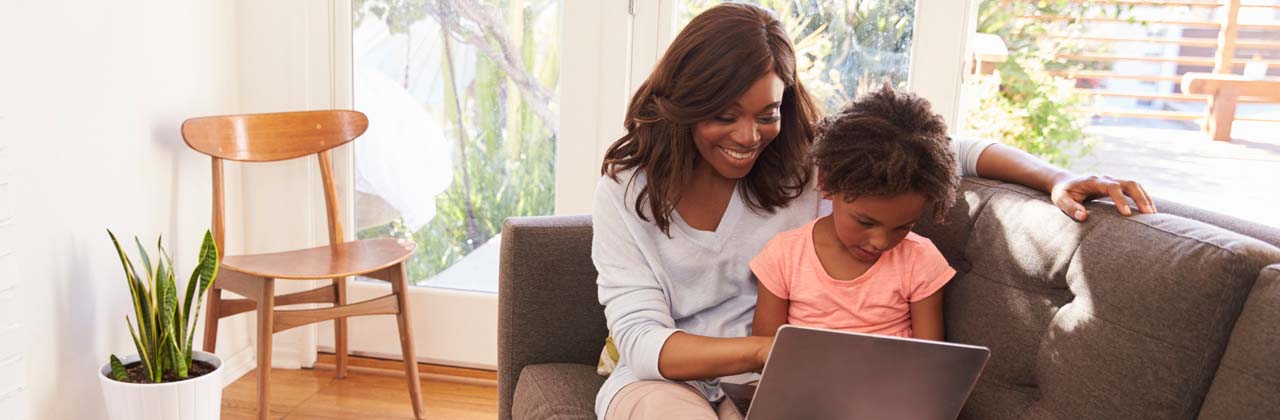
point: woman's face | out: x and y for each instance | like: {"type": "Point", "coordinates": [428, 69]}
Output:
{"type": "Point", "coordinates": [730, 141]}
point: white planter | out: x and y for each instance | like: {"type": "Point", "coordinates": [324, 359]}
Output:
{"type": "Point", "coordinates": [193, 399]}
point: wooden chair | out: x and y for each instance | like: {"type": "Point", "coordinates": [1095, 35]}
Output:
{"type": "Point", "coordinates": [280, 136]}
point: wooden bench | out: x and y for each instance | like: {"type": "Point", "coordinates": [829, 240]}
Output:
{"type": "Point", "coordinates": [1224, 92]}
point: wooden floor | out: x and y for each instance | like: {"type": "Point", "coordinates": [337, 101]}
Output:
{"type": "Point", "coordinates": [374, 389]}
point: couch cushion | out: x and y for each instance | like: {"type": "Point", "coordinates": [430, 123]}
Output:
{"type": "Point", "coordinates": [559, 391]}
{"type": "Point", "coordinates": [1113, 318]}
{"type": "Point", "coordinates": [1248, 380]}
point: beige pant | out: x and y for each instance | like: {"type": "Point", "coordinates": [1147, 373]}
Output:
{"type": "Point", "coordinates": [667, 401]}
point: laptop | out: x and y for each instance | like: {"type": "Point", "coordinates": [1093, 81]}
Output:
{"type": "Point", "coordinates": [823, 374]}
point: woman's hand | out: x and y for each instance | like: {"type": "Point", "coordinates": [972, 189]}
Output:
{"type": "Point", "coordinates": [1070, 192]}
{"type": "Point", "coordinates": [764, 345]}
{"type": "Point", "coordinates": [688, 357]}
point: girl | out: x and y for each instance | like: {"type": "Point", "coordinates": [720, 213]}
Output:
{"type": "Point", "coordinates": [882, 161]}
{"type": "Point", "coordinates": [712, 166]}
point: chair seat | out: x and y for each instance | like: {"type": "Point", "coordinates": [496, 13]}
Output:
{"type": "Point", "coordinates": [324, 262]}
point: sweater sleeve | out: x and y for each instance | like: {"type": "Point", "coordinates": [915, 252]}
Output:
{"type": "Point", "coordinates": [637, 308]}
{"type": "Point", "coordinates": [967, 152]}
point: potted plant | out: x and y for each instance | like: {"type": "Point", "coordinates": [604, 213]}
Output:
{"type": "Point", "coordinates": [166, 379]}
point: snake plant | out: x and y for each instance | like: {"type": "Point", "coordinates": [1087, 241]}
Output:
{"type": "Point", "coordinates": [163, 327]}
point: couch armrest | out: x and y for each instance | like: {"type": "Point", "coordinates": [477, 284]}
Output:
{"type": "Point", "coordinates": [548, 309]}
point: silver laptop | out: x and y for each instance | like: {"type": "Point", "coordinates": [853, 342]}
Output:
{"type": "Point", "coordinates": [829, 375]}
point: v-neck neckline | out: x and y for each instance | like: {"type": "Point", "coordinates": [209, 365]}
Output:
{"type": "Point", "coordinates": [713, 240]}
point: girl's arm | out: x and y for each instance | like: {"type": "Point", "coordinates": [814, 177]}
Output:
{"type": "Point", "coordinates": [771, 313]}
{"type": "Point", "coordinates": [926, 318]}
{"type": "Point", "coordinates": [1068, 191]}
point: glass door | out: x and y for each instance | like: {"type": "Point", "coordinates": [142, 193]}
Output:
{"type": "Point", "coordinates": [462, 100]}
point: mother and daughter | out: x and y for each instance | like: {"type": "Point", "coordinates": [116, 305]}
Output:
{"type": "Point", "coordinates": [728, 210]}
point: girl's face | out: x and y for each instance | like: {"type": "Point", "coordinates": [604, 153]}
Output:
{"type": "Point", "coordinates": [731, 141]}
{"type": "Point", "coordinates": [870, 225]}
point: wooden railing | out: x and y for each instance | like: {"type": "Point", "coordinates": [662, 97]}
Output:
{"type": "Point", "coordinates": [1224, 60]}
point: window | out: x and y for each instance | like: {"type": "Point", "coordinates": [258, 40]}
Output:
{"type": "Point", "coordinates": [842, 48]}
{"type": "Point", "coordinates": [462, 102]}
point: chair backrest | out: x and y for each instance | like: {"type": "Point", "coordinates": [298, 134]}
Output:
{"type": "Point", "coordinates": [273, 137]}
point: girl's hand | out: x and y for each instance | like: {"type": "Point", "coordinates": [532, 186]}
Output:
{"type": "Point", "coordinates": [1070, 192]}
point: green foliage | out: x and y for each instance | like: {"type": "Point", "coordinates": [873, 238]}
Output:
{"type": "Point", "coordinates": [1023, 104]}
{"type": "Point", "coordinates": [164, 327]}
{"type": "Point", "coordinates": [1033, 111]}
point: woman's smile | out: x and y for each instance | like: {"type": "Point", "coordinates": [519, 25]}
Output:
{"type": "Point", "coordinates": [741, 155]}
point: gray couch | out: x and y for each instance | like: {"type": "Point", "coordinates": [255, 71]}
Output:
{"type": "Point", "coordinates": [1168, 316]}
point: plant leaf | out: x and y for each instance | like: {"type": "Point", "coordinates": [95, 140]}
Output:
{"type": "Point", "coordinates": [146, 261]}
{"type": "Point", "coordinates": [131, 275]}
{"type": "Point", "coordinates": [167, 294]}
{"type": "Point", "coordinates": [207, 267]}
{"type": "Point", "coordinates": [142, 351]}
{"type": "Point", "coordinates": [162, 349]}
{"type": "Point", "coordinates": [201, 278]}
{"type": "Point", "coordinates": [118, 372]}
{"type": "Point", "coordinates": [141, 306]}
{"type": "Point", "coordinates": [181, 361]}
{"type": "Point", "coordinates": [179, 315]}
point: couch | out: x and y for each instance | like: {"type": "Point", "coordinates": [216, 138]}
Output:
{"type": "Point", "coordinates": [1167, 316]}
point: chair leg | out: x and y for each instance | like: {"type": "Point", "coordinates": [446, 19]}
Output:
{"type": "Point", "coordinates": [1222, 113]}
{"type": "Point", "coordinates": [211, 316]}
{"type": "Point", "coordinates": [266, 312]}
{"type": "Point", "coordinates": [401, 288]}
{"type": "Point", "coordinates": [340, 327]}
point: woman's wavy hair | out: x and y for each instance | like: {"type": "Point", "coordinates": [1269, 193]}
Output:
{"type": "Point", "coordinates": [709, 66]}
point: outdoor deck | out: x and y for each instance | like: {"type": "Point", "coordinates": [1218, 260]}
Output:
{"type": "Point", "coordinates": [1177, 161]}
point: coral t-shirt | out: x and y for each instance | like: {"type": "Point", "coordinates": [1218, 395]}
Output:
{"type": "Point", "coordinates": [877, 302]}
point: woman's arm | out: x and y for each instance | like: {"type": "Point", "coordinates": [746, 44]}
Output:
{"type": "Point", "coordinates": [1068, 191]}
{"type": "Point", "coordinates": [638, 313]}
{"type": "Point", "coordinates": [687, 357]}
{"type": "Point", "coordinates": [771, 313]}
{"type": "Point", "coordinates": [926, 318]}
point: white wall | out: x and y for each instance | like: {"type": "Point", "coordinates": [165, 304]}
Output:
{"type": "Point", "coordinates": [92, 95]}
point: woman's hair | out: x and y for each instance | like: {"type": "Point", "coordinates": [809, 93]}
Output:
{"type": "Point", "coordinates": [887, 143]}
{"type": "Point", "coordinates": [709, 66]}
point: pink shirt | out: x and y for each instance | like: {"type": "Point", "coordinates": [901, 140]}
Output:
{"type": "Point", "coordinates": [877, 302]}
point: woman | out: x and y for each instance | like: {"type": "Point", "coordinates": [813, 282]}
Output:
{"type": "Point", "coordinates": [712, 166]}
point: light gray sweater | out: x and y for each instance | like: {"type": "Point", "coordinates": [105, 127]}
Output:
{"type": "Point", "coordinates": [694, 281]}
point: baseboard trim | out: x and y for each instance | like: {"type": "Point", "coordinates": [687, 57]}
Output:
{"type": "Point", "coordinates": [239, 364]}
{"type": "Point", "coordinates": [426, 376]}
{"type": "Point", "coordinates": [427, 360]}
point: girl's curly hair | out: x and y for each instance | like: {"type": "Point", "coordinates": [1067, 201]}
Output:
{"type": "Point", "coordinates": [887, 143]}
